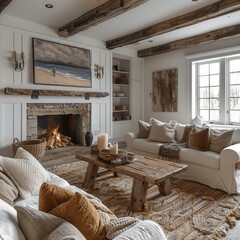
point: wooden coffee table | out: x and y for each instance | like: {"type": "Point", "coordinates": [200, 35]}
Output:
{"type": "Point", "coordinates": [144, 171]}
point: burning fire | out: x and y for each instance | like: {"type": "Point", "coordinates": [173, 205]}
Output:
{"type": "Point", "coordinates": [55, 139]}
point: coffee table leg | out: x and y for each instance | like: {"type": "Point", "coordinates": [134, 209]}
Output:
{"type": "Point", "coordinates": [90, 176]}
{"type": "Point", "coordinates": [139, 193]}
{"type": "Point", "coordinates": [165, 187]}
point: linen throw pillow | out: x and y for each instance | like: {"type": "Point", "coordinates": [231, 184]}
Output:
{"type": "Point", "coordinates": [144, 129]}
{"type": "Point", "coordinates": [82, 214]}
{"type": "Point", "coordinates": [39, 225]}
{"type": "Point", "coordinates": [25, 171]}
{"type": "Point", "coordinates": [164, 133]}
{"type": "Point", "coordinates": [8, 191]}
{"type": "Point", "coordinates": [199, 139]}
{"type": "Point", "coordinates": [219, 140]}
{"type": "Point", "coordinates": [9, 229]}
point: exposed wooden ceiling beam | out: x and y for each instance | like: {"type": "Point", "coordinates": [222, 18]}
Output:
{"type": "Point", "coordinates": [191, 41]}
{"type": "Point", "coordinates": [4, 4]}
{"type": "Point", "coordinates": [214, 10]}
{"type": "Point", "coordinates": [108, 10]}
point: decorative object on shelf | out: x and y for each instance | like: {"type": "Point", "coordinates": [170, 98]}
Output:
{"type": "Point", "coordinates": [120, 95]}
{"type": "Point", "coordinates": [115, 67]}
{"type": "Point", "coordinates": [198, 120]}
{"type": "Point", "coordinates": [99, 70]}
{"type": "Point", "coordinates": [165, 90]}
{"type": "Point", "coordinates": [18, 61]}
{"type": "Point", "coordinates": [113, 148]}
{"type": "Point", "coordinates": [102, 141]}
{"type": "Point", "coordinates": [88, 139]}
{"type": "Point", "coordinates": [59, 64]}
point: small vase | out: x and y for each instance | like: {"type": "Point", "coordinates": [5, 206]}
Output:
{"type": "Point", "coordinates": [88, 139]}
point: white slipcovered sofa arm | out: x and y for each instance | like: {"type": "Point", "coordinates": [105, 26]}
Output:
{"type": "Point", "coordinates": [230, 154]}
{"type": "Point", "coordinates": [229, 157]}
{"type": "Point", "coordinates": [129, 137]}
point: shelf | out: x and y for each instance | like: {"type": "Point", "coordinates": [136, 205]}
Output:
{"type": "Point", "coordinates": [120, 72]}
{"type": "Point", "coordinates": [120, 97]}
{"type": "Point", "coordinates": [121, 110]}
{"type": "Point", "coordinates": [121, 85]}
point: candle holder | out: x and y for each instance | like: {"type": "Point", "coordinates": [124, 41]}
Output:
{"type": "Point", "coordinates": [18, 61]}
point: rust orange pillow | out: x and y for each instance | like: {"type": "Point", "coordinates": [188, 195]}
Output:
{"type": "Point", "coordinates": [80, 212]}
{"type": "Point", "coordinates": [199, 139]}
{"type": "Point", "coordinates": [50, 196]}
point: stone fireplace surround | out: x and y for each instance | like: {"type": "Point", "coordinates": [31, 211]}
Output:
{"type": "Point", "coordinates": [42, 109]}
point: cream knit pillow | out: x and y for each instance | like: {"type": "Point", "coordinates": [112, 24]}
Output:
{"type": "Point", "coordinates": [25, 171]}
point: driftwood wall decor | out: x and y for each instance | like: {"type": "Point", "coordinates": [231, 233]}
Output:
{"type": "Point", "coordinates": [165, 90]}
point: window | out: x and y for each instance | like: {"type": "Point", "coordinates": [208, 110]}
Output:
{"type": "Point", "coordinates": [216, 89]}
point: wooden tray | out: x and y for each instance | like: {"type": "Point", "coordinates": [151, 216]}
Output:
{"type": "Point", "coordinates": [94, 149]}
{"type": "Point", "coordinates": [107, 156]}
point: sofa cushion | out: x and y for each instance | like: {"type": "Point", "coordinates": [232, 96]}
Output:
{"type": "Point", "coordinates": [236, 136]}
{"type": "Point", "coordinates": [39, 225]}
{"type": "Point", "coordinates": [179, 130]}
{"type": "Point", "coordinates": [82, 214]}
{"type": "Point", "coordinates": [144, 129]}
{"type": "Point", "coordinates": [50, 196]}
{"type": "Point", "coordinates": [163, 133]}
{"type": "Point", "coordinates": [8, 191]}
{"type": "Point", "coordinates": [207, 159]}
{"type": "Point", "coordinates": [220, 140]}
{"type": "Point", "coordinates": [146, 146]}
{"type": "Point", "coordinates": [9, 228]}
{"type": "Point", "coordinates": [25, 171]}
{"type": "Point", "coordinates": [199, 139]}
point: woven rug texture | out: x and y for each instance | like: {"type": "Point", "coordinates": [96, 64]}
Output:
{"type": "Point", "coordinates": [191, 211]}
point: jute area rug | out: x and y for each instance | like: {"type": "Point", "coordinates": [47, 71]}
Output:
{"type": "Point", "coordinates": [191, 211]}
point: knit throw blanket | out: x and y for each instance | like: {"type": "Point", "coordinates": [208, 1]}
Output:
{"type": "Point", "coordinates": [171, 151]}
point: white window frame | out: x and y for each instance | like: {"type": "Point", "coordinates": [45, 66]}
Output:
{"type": "Point", "coordinates": [224, 55]}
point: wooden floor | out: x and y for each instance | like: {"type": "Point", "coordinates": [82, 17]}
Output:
{"type": "Point", "coordinates": [67, 155]}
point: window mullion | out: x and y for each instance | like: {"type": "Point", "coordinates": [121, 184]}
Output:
{"type": "Point", "coordinates": [222, 95]}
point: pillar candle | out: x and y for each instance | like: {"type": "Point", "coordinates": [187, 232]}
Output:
{"type": "Point", "coordinates": [114, 148]}
{"type": "Point", "coordinates": [102, 141]}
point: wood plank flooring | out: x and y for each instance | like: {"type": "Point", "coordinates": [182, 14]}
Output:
{"type": "Point", "coordinates": [67, 155]}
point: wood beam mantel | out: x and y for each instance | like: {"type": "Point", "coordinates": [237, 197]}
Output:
{"type": "Point", "coordinates": [47, 92]}
{"type": "Point", "coordinates": [4, 4]}
{"type": "Point", "coordinates": [192, 41]}
{"type": "Point", "coordinates": [211, 11]}
{"type": "Point", "coordinates": [108, 10]}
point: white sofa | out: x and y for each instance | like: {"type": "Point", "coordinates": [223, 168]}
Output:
{"type": "Point", "coordinates": [216, 170]}
{"type": "Point", "coordinates": [59, 229]}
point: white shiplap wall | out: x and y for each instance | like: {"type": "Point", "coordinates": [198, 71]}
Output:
{"type": "Point", "coordinates": [13, 108]}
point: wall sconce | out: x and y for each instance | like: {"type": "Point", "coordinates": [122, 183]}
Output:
{"type": "Point", "coordinates": [99, 71]}
{"type": "Point", "coordinates": [18, 61]}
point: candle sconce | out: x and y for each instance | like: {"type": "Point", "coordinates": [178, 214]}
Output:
{"type": "Point", "coordinates": [99, 70]}
{"type": "Point", "coordinates": [18, 61]}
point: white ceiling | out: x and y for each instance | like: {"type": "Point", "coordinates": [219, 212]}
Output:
{"type": "Point", "coordinates": [147, 14]}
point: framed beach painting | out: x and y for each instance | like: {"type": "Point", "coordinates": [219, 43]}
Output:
{"type": "Point", "coordinates": [59, 64]}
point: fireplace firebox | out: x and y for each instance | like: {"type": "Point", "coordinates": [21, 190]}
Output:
{"type": "Point", "coordinates": [59, 122]}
